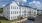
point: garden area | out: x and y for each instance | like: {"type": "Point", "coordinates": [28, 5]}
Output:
{"type": "Point", "coordinates": [4, 20]}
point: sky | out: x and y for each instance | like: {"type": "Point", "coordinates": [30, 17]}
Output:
{"type": "Point", "coordinates": [32, 3]}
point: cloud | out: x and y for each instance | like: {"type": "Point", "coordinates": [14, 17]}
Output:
{"type": "Point", "coordinates": [3, 5]}
{"type": "Point", "coordinates": [24, 0]}
{"type": "Point", "coordinates": [21, 0]}
{"type": "Point", "coordinates": [35, 4]}
{"type": "Point", "coordinates": [18, 0]}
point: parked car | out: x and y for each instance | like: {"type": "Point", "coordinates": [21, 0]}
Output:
{"type": "Point", "coordinates": [31, 18]}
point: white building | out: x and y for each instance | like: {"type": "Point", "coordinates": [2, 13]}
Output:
{"type": "Point", "coordinates": [39, 12]}
{"type": "Point", "coordinates": [33, 12]}
{"type": "Point", "coordinates": [24, 10]}
{"type": "Point", "coordinates": [12, 10]}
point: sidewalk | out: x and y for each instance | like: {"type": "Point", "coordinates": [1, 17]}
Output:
{"type": "Point", "coordinates": [20, 21]}
{"type": "Point", "coordinates": [1, 14]}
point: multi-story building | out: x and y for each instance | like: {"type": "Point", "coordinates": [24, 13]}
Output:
{"type": "Point", "coordinates": [12, 10]}
{"type": "Point", "coordinates": [34, 12]}
{"type": "Point", "coordinates": [39, 12]}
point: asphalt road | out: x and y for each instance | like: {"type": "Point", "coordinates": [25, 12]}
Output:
{"type": "Point", "coordinates": [38, 19]}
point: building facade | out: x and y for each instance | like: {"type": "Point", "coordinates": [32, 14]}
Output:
{"type": "Point", "coordinates": [39, 12]}
{"type": "Point", "coordinates": [33, 12]}
{"type": "Point", "coordinates": [13, 10]}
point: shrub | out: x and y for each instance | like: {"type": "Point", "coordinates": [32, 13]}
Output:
{"type": "Point", "coordinates": [19, 17]}
{"type": "Point", "coordinates": [1, 10]}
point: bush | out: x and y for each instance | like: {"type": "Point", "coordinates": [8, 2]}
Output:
{"type": "Point", "coordinates": [38, 14]}
{"type": "Point", "coordinates": [19, 17]}
{"type": "Point", "coordinates": [1, 10]}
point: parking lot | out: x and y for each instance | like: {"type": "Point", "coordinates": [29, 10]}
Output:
{"type": "Point", "coordinates": [38, 19]}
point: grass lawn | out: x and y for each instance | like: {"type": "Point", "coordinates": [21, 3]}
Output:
{"type": "Point", "coordinates": [4, 20]}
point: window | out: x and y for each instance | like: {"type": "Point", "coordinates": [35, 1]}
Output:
{"type": "Point", "coordinates": [17, 12]}
{"type": "Point", "coordinates": [11, 12]}
{"type": "Point", "coordinates": [17, 7]}
{"type": "Point", "coordinates": [11, 7]}
{"type": "Point", "coordinates": [11, 17]}
{"type": "Point", "coordinates": [14, 7]}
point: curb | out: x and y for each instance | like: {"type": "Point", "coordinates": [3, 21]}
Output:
{"type": "Point", "coordinates": [20, 20]}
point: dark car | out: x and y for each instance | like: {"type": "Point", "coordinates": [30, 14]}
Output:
{"type": "Point", "coordinates": [31, 18]}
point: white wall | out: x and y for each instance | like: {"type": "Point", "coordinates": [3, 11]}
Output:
{"type": "Point", "coordinates": [14, 16]}
{"type": "Point", "coordinates": [33, 10]}
{"type": "Point", "coordinates": [6, 11]}
{"type": "Point", "coordinates": [26, 13]}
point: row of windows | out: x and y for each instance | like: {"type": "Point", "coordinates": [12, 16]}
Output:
{"type": "Point", "coordinates": [14, 12]}
{"type": "Point", "coordinates": [14, 7]}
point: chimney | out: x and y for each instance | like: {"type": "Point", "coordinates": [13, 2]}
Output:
{"type": "Point", "coordinates": [16, 2]}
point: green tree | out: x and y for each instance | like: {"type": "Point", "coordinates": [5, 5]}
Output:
{"type": "Point", "coordinates": [1, 10]}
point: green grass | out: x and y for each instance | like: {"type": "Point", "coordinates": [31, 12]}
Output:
{"type": "Point", "coordinates": [4, 20]}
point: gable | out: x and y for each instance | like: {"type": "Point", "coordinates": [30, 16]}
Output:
{"type": "Point", "coordinates": [13, 4]}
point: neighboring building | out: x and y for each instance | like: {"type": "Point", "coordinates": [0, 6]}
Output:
{"type": "Point", "coordinates": [28, 11]}
{"type": "Point", "coordinates": [24, 10]}
{"type": "Point", "coordinates": [39, 11]}
{"type": "Point", "coordinates": [34, 12]}
{"type": "Point", "coordinates": [12, 10]}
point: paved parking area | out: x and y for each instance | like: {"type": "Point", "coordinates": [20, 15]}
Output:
{"type": "Point", "coordinates": [38, 19]}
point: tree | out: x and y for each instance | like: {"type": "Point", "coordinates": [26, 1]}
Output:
{"type": "Point", "coordinates": [19, 17]}
{"type": "Point", "coordinates": [1, 10]}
